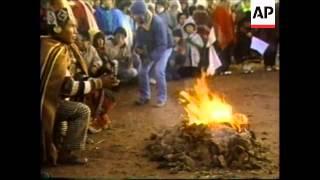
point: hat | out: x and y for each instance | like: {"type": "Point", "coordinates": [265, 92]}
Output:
{"type": "Point", "coordinates": [58, 18]}
{"type": "Point", "coordinates": [139, 7]}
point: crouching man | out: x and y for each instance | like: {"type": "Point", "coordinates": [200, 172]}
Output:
{"type": "Point", "coordinates": [63, 81]}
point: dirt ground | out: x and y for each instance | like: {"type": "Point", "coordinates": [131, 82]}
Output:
{"type": "Point", "coordinates": [120, 155]}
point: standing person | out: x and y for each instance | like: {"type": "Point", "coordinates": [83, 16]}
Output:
{"type": "Point", "coordinates": [63, 81]}
{"type": "Point", "coordinates": [202, 20]}
{"type": "Point", "coordinates": [194, 45]}
{"type": "Point", "coordinates": [223, 23]}
{"type": "Point", "coordinates": [271, 36]}
{"type": "Point", "coordinates": [108, 17]}
{"type": "Point", "coordinates": [154, 45]}
{"type": "Point", "coordinates": [162, 11]}
{"type": "Point", "coordinates": [174, 9]}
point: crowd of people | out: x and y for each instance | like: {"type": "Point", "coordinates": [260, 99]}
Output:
{"type": "Point", "coordinates": [89, 47]}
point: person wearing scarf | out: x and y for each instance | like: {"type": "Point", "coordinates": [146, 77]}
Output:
{"type": "Point", "coordinates": [154, 44]}
{"type": "Point", "coordinates": [63, 83]}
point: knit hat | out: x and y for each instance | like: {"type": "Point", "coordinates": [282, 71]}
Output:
{"type": "Point", "coordinates": [139, 7]}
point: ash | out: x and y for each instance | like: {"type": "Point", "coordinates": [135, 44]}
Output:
{"type": "Point", "coordinates": [198, 147]}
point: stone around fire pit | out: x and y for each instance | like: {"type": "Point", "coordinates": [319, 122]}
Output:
{"type": "Point", "coordinates": [194, 147]}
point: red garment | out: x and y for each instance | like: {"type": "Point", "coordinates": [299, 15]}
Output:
{"type": "Point", "coordinates": [81, 16]}
{"type": "Point", "coordinates": [224, 26]}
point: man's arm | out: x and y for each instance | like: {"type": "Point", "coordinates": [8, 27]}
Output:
{"type": "Point", "coordinates": [71, 87]}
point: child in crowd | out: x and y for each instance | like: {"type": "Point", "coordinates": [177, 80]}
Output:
{"type": "Point", "coordinates": [178, 56]}
{"type": "Point", "coordinates": [194, 44]}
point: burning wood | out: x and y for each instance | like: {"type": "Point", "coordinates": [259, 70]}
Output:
{"type": "Point", "coordinates": [210, 136]}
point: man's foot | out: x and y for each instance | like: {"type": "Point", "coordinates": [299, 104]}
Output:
{"type": "Point", "coordinates": [268, 68]}
{"type": "Point", "coordinates": [67, 157]}
{"type": "Point", "coordinates": [160, 104]}
{"type": "Point", "coordinates": [276, 68]}
{"type": "Point", "coordinates": [153, 81]}
{"type": "Point", "coordinates": [141, 102]}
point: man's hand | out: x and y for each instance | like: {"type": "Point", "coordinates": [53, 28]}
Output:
{"type": "Point", "coordinates": [109, 81]}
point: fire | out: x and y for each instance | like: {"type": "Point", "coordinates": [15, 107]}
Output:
{"type": "Point", "coordinates": [202, 106]}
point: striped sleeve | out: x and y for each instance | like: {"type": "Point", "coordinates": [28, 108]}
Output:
{"type": "Point", "coordinates": [71, 87]}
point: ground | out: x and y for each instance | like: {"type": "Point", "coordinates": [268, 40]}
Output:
{"type": "Point", "coordinates": [118, 153]}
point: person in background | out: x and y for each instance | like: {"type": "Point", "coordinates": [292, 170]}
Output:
{"type": "Point", "coordinates": [154, 46]}
{"type": "Point", "coordinates": [194, 44]}
{"type": "Point", "coordinates": [178, 57]}
{"type": "Point", "coordinates": [224, 26]}
{"type": "Point", "coordinates": [241, 10]}
{"type": "Point", "coordinates": [118, 50]}
{"type": "Point", "coordinates": [99, 118]}
{"type": "Point", "coordinates": [96, 4]}
{"type": "Point", "coordinates": [174, 9]}
{"type": "Point", "coordinates": [191, 10]}
{"type": "Point", "coordinates": [202, 20]}
{"type": "Point", "coordinates": [89, 54]}
{"type": "Point", "coordinates": [271, 36]}
{"type": "Point", "coordinates": [108, 17]}
{"type": "Point", "coordinates": [162, 11]}
{"type": "Point", "coordinates": [64, 82]}
{"type": "Point", "coordinates": [128, 23]}
{"type": "Point", "coordinates": [99, 42]}
{"type": "Point", "coordinates": [83, 13]}
{"type": "Point", "coordinates": [182, 17]}
{"type": "Point", "coordinates": [184, 6]}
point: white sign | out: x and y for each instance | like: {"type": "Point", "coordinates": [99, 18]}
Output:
{"type": "Point", "coordinates": [263, 13]}
{"type": "Point", "coordinates": [258, 45]}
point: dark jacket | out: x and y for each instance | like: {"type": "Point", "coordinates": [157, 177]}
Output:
{"type": "Point", "coordinates": [157, 40]}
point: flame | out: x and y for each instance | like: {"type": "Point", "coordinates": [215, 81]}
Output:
{"type": "Point", "coordinates": [202, 106]}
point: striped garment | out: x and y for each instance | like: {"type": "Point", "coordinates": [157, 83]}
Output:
{"type": "Point", "coordinates": [73, 118]}
{"type": "Point", "coordinates": [74, 83]}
